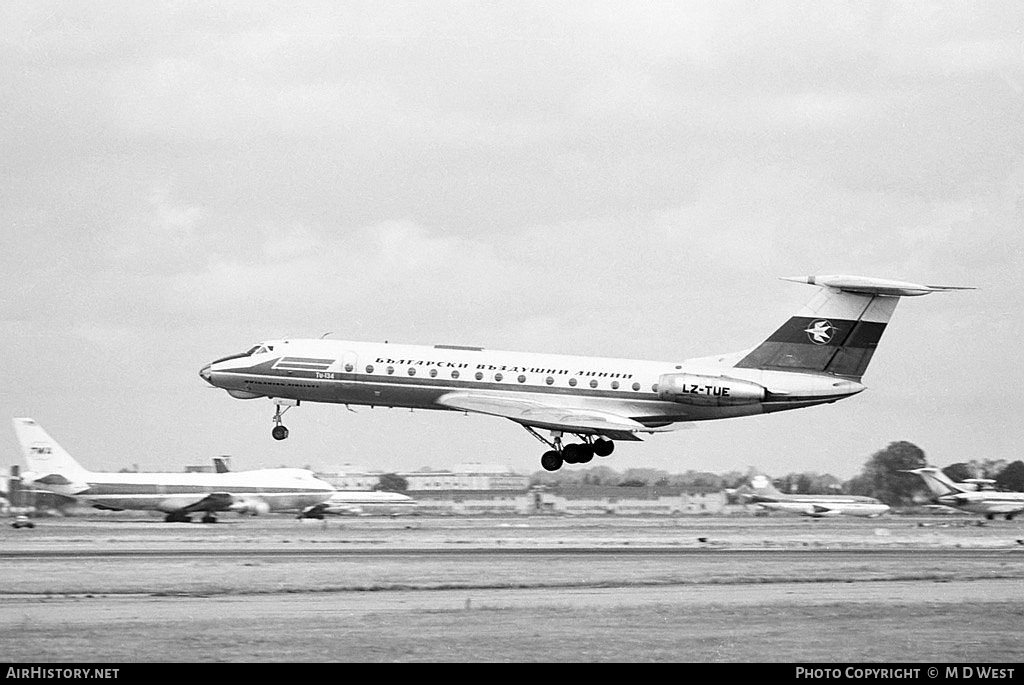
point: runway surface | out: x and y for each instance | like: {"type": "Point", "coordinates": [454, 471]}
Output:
{"type": "Point", "coordinates": [516, 589]}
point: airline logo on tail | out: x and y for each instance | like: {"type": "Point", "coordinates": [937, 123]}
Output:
{"type": "Point", "coordinates": [820, 332]}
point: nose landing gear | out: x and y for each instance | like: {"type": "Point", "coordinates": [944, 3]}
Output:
{"type": "Point", "coordinates": [280, 432]}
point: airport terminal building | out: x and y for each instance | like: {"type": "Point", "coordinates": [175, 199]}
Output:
{"type": "Point", "coordinates": [493, 489]}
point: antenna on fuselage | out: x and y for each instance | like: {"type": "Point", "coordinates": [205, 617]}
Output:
{"type": "Point", "coordinates": [326, 334]}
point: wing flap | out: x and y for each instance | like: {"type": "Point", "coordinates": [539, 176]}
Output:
{"type": "Point", "coordinates": [538, 415]}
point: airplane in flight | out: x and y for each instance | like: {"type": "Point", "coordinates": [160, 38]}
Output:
{"type": "Point", "coordinates": [350, 502]}
{"type": "Point", "coordinates": [767, 496]}
{"type": "Point", "coordinates": [175, 494]}
{"type": "Point", "coordinates": [976, 495]}
{"type": "Point", "coordinates": [817, 356]}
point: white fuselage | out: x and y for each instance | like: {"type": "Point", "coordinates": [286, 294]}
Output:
{"type": "Point", "coordinates": [369, 502]}
{"type": "Point", "coordinates": [416, 376]}
{"type": "Point", "coordinates": [811, 505]}
{"type": "Point", "coordinates": [985, 502]}
{"type": "Point", "coordinates": [251, 491]}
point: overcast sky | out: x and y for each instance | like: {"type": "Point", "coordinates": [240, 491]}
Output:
{"type": "Point", "coordinates": [181, 180]}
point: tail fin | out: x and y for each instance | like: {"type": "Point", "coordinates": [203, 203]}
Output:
{"type": "Point", "coordinates": [938, 482]}
{"type": "Point", "coordinates": [44, 457]}
{"type": "Point", "coordinates": [836, 332]}
{"type": "Point", "coordinates": [221, 464]}
{"type": "Point", "coordinates": [762, 485]}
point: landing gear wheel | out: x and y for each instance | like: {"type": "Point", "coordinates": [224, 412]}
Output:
{"type": "Point", "coordinates": [585, 454]}
{"type": "Point", "coordinates": [990, 517]}
{"type": "Point", "coordinates": [603, 448]}
{"type": "Point", "coordinates": [279, 432]}
{"type": "Point", "coordinates": [1009, 517]}
{"type": "Point", "coordinates": [571, 454]}
{"type": "Point", "coordinates": [551, 461]}
{"type": "Point", "coordinates": [177, 518]}
{"type": "Point", "coordinates": [209, 518]}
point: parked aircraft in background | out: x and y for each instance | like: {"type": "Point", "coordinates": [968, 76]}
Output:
{"type": "Point", "coordinates": [351, 502]}
{"type": "Point", "coordinates": [975, 495]}
{"type": "Point", "coordinates": [364, 503]}
{"type": "Point", "coordinates": [766, 495]}
{"type": "Point", "coordinates": [176, 494]}
{"type": "Point", "coordinates": [818, 356]}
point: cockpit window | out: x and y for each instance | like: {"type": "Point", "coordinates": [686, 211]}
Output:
{"type": "Point", "coordinates": [256, 349]}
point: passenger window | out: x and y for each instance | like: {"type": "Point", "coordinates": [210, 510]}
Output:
{"type": "Point", "coordinates": [433, 373]}
{"type": "Point", "coordinates": [636, 386]}
{"type": "Point", "coordinates": [521, 379]}
{"type": "Point", "coordinates": [498, 376]}
{"type": "Point", "coordinates": [455, 374]}
{"type": "Point", "coordinates": [348, 368]}
{"type": "Point", "coordinates": [593, 384]}
{"type": "Point", "coordinates": [615, 385]}
{"type": "Point", "coordinates": [478, 376]}
{"type": "Point", "coordinates": [549, 380]}
{"type": "Point", "coordinates": [654, 388]}
{"type": "Point", "coordinates": [572, 382]}
{"type": "Point", "coordinates": [412, 370]}
{"type": "Point", "coordinates": [391, 370]}
{"type": "Point", "coordinates": [369, 368]}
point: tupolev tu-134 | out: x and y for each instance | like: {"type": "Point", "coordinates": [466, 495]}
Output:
{"type": "Point", "coordinates": [817, 356]}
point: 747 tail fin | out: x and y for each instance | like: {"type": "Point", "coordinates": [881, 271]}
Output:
{"type": "Point", "coordinates": [44, 457]}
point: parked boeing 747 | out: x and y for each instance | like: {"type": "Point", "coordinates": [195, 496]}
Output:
{"type": "Point", "coordinates": [767, 496]}
{"type": "Point", "coordinates": [176, 494]}
{"type": "Point", "coordinates": [819, 355]}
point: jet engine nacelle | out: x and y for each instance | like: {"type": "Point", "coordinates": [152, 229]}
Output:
{"type": "Point", "coordinates": [252, 507]}
{"type": "Point", "coordinates": [714, 391]}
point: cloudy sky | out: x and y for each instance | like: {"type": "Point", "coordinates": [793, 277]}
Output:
{"type": "Point", "coordinates": [181, 180]}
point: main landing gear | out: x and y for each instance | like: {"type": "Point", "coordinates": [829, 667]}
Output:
{"type": "Point", "coordinates": [574, 453]}
{"type": "Point", "coordinates": [179, 517]}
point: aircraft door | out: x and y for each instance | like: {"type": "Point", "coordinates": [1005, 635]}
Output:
{"type": "Point", "coordinates": [350, 389]}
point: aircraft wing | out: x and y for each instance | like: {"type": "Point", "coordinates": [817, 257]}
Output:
{"type": "Point", "coordinates": [539, 415]}
{"type": "Point", "coordinates": [215, 501]}
{"type": "Point", "coordinates": [318, 510]}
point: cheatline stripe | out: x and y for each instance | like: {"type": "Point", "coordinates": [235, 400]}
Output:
{"type": "Point", "coordinates": [308, 360]}
{"type": "Point", "coordinates": [119, 489]}
{"type": "Point", "coordinates": [297, 365]}
{"type": "Point", "coordinates": [445, 384]}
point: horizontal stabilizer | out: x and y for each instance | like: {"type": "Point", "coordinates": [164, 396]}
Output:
{"type": "Point", "coordinates": [873, 286]}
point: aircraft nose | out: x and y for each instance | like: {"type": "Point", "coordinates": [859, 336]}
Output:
{"type": "Point", "coordinates": [204, 373]}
